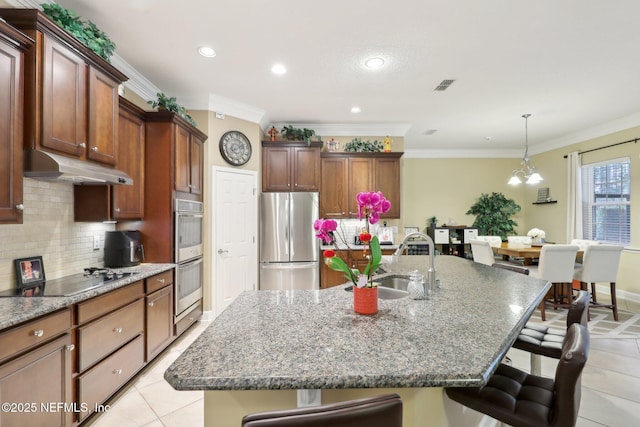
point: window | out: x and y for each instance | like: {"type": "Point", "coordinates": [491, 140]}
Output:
{"type": "Point", "coordinates": [606, 201]}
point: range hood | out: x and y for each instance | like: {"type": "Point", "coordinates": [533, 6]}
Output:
{"type": "Point", "coordinates": [46, 166]}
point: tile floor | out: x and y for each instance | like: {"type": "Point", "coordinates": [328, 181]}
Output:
{"type": "Point", "coordinates": [610, 387]}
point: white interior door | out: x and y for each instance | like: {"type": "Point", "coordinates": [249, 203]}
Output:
{"type": "Point", "coordinates": [235, 224]}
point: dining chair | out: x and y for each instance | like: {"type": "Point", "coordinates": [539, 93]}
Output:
{"type": "Point", "coordinates": [600, 264]}
{"type": "Point", "coordinates": [520, 399]}
{"type": "Point", "coordinates": [482, 252]}
{"type": "Point", "coordinates": [556, 264]}
{"type": "Point", "coordinates": [494, 241]}
{"type": "Point", "coordinates": [541, 340]}
{"type": "Point", "coordinates": [582, 245]}
{"type": "Point", "coordinates": [379, 411]}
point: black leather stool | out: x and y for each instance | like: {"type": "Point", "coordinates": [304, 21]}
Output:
{"type": "Point", "coordinates": [524, 400]}
{"type": "Point", "coordinates": [379, 411]}
{"type": "Point", "coordinates": [541, 340]}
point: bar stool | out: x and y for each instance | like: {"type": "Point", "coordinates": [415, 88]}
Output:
{"type": "Point", "coordinates": [540, 340]}
{"type": "Point", "coordinates": [556, 264]}
{"type": "Point", "coordinates": [523, 400]}
{"type": "Point", "coordinates": [378, 411]}
{"type": "Point", "coordinates": [600, 264]}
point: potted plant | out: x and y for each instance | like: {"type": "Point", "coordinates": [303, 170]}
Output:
{"type": "Point", "coordinates": [493, 215]}
{"type": "Point", "coordinates": [432, 222]}
{"type": "Point", "coordinates": [164, 103]}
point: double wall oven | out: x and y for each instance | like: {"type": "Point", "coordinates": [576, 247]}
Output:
{"type": "Point", "coordinates": [188, 254]}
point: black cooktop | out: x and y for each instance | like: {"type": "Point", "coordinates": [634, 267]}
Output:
{"type": "Point", "coordinates": [71, 285]}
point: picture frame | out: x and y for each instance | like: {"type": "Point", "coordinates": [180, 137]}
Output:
{"type": "Point", "coordinates": [30, 273]}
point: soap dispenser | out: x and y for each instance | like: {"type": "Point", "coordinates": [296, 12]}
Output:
{"type": "Point", "coordinates": [416, 286]}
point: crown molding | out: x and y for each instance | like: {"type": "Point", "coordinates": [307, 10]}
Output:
{"type": "Point", "coordinates": [137, 82]}
{"type": "Point", "coordinates": [27, 4]}
{"type": "Point", "coordinates": [461, 154]}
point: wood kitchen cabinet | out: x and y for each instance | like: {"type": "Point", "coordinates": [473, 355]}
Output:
{"type": "Point", "coordinates": [12, 47]}
{"type": "Point", "coordinates": [36, 368]}
{"type": "Point", "coordinates": [71, 93]}
{"type": "Point", "coordinates": [290, 166]}
{"type": "Point", "coordinates": [97, 203]}
{"type": "Point", "coordinates": [110, 340]}
{"type": "Point", "coordinates": [159, 313]}
{"type": "Point", "coordinates": [189, 157]}
{"type": "Point", "coordinates": [355, 258]}
{"type": "Point", "coordinates": [344, 175]}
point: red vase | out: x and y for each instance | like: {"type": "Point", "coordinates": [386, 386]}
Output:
{"type": "Point", "coordinates": [365, 300]}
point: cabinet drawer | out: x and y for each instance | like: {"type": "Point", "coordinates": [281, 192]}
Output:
{"type": "Point", "coordinates": [96, 307]}
{"type": "Point", "coordinates": [158, 281]}
{"type": "Point", "coordinates": [33, 333]}
{"type": "Point", "coordinates": [189, 319]}
{"type": "Point", "coordinates": [102, 336]}
{"type": "Point", "coordinates": [96, 385]}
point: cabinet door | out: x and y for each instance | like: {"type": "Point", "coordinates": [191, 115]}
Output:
{"type": "Point", "coordinates": [42, 376]}
{"type": "Point", "coordinates": [387, 180]}
{"type": "Point", "coordinates": [360, 179]}
{"type": "Point", "coordinates": [276, 169]}
{"type": "Point", "coordinates": [159, 321]}
{"type": "Point", "coordinates": [197, 159]}
{"type": "Point", "coordinates": [335, 192]}
{"type": "Point", "coordinates": [329, 277]}
{"type": "Point", "coordinates": [10, 134]}
{"type": "Point", "coordinates": [103, 114]}
{"type": "Point", "coordinates": [306, 168]}
{"type": "Point", "coordinates": [128, 200]}
{"type": "Point", "coordinates": [64, 82]}
{"type": "Point", "coordinates": [183, 163]}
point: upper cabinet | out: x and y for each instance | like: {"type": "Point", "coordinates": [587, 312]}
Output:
{"type": "Point", "coordinates": [175, 148]}
{"type": "Point", "coordinates": [71, 94]}
{"type": "Point", "coordinates": [346, 174]}
{"type": "Point", "coordinates": [12, 46]}
{"type": "Point", "coordinates": [290, 166]}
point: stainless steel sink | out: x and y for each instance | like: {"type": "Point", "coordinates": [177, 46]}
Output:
{"type": "Point", "coordinates": [393, 287]}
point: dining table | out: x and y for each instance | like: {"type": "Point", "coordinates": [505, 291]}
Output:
{"type": "Point", "coordinates": [525, 251]}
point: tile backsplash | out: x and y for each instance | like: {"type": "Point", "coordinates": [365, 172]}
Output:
{"type": "Point", "coordinates": [48, 230]}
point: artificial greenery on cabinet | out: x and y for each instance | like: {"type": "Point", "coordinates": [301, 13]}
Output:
{"type": "Point", "coordinates": [85, 31]}
{"type": "Point", "coordinates": [294, 134]}
{"type": "Point", "coordinates": [493, 215]}
{"type": "Point", "coordinates": [357, 145]}
{"type": "Point", "coordinates": [164, 103]}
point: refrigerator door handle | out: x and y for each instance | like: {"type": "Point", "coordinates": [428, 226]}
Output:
{"type": "Point", "coordinates": [287, 231]}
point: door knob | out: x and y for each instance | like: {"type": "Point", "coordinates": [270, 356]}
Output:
{"type": "Point", "coordinates": [222, 251]}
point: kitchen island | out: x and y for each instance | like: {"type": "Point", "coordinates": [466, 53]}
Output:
{"type": "Point", "coordinates": [268, 344]}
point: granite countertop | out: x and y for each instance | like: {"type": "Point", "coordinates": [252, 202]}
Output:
{"type": "Point", "coordinates": [15, 310]}
{"type": "Point", "coordinates": [313, 340]}
{"type": "Point", "coordinates": [352, 246]}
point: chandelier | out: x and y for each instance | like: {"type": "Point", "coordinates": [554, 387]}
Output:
{"type": "Point", "coordinates": [528, 171]}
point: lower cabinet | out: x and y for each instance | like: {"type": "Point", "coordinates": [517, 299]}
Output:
{"type": "Point", "coordinates": [159, 321]}
{"type": "Point", "coordinates": [98, 383]}
{"type": "Point", "coordinates": [354, 258]}
{"type": "Point", "coordinates": [110, 344]}
{"type": "Point", "coordinates": [36, 379]}
{"type": "Point", "coordinates": [193, 314]}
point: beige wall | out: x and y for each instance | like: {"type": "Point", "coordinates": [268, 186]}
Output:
{"type": "Point", "coordinates": [552, 218]}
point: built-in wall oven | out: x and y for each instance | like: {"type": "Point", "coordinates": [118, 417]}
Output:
{"type": "Point", "coordinates": [188, 254]}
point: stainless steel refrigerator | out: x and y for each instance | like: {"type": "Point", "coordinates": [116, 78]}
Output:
{"type": "Point", "coordinates": [289, 250]}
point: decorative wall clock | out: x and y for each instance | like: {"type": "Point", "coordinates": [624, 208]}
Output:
{"type": "Point", "coordinates": [235, 148]}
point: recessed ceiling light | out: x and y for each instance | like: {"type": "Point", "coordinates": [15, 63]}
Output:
{"type": "Point", "coordinates": [373, 63]}
{"type": "Point", "coordinates": [278, 69]}
{"type": "Point", "coordinates": [206, 51]}
{"type": "Point", "coordinates": [356, 110]}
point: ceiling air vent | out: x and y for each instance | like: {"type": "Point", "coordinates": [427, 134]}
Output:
{"type": "Point", "coordinates": [444, 85]}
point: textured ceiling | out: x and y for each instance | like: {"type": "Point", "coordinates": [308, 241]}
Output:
{"type": "Point", "coordinates": [573, 65]}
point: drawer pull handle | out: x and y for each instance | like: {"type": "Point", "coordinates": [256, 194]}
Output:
{"type": "Point", "coordinates": [38, 333]}
{"type": "Point", "coordinates": [117, 330]}
{"type": "Point", "coordinates": [117, 371]}
{"type": "Point", "coordinates": [82, 145]}
{"type": "Point", "coordinates": [94, 149]}
{"type": "Point", "coordinates": [151, 304]}
{"type": "Point", "coordinates": [70, 347]}
{"type": "Point", "coordinates": [160, 280]}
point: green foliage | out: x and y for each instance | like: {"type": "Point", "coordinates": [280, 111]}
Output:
{"type": "Point", "coordinates": [294, 134]}
{"type": "Point", "coordinates": [493, 215]}
{"type": "Point", "coordinates": [170, 104]}
{"type": "Point", "coordinates": [358, 146]}
{"type": "Point", "coordinates": [86, 32]}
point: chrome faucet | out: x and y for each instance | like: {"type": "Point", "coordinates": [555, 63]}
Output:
{"type": "Point", "coordinates": [431, 272]}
